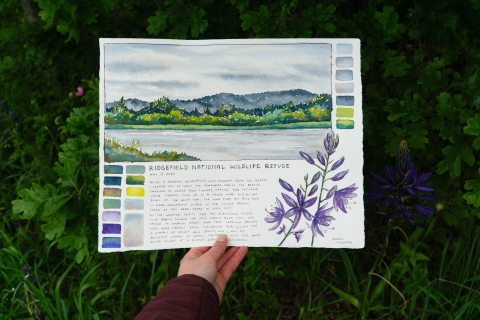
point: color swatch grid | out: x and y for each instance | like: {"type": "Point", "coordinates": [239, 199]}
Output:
{"type": "Point", "coordinates": [344, 86]}
{"type": "Point", "coordinates": [123, 205]}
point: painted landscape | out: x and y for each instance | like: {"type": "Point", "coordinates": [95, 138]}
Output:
{"type": "Point", "coordinates": [264, 110]}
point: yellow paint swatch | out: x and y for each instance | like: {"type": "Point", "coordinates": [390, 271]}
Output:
{"type": "Point", "coordinates": [135, 192]}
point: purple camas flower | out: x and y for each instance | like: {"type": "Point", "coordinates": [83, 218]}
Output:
{"type": "Point", "coordinates": [24, 270]}
{"type": "Point", "coordinates": [298, 207]}
{"type": "Point", "coordinates": [276, 216]}
{"type": "Point", "coordinates": [281, 230]}
{"type": "Point", "coordinates": [321, 219]}
{"type": "Point", "coordinates": [298, 235]}
{"type": "Point", "coordinates": [403, 189]}
{"type": "Point", "coordinates": [285, 185]}
{"type": "Point", "coordinates": [341, 197]}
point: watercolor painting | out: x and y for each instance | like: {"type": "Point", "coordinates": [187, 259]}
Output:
{"type": "Point", "coordinates": [167, 102]}
{"type": "Point", "coordinates": [310, 203]}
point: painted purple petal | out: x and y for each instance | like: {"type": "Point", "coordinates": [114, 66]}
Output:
{"type": "Point", "coordinates": [338, 163]}
{"type": "Point", "coordinates": [339, 176]}
{"type": "Point", "coordinates": [296, 220]}
{"type": "Point", "coordinates": [289, 201]}
{"type": "Point", "coordinates": [310, 202]}
{"type": "Point", "coordinates": [307, 157]}
{"type": "Point", "coordinates": [315, 177]}
{"type": "Point", "coordinates": [320, 158]}
{"type": "Point", "coordinates": [285, 185]}
{"type": "Point", "coordinates": [281, 230]}
{"type": "Point", "coordinates": [331, 192]}
{"type": "Point", "coordinates": [314, 189]}
{"type": "Point", "coordinates": [300, 196]}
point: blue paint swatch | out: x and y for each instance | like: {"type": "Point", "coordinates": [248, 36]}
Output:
{"type": "Point", "coordinates": [133, 204]}
{"type": "Point", "coordinates": [111, 242]}
{"type": "Point", "coordinates": [109, 169]}
{"type": "Point", "coordinates": [345, 100]}
{"type": "Point", "coordinates": [344, 62]}
{"type": "Point", "coordinates": [112, 181]}
{"type": "Point", "coordinates": [111, 216]}
{"type": "Point", "coordinates": [111, 228]}
{"type": "Point", "coordinates": [344, 75]}
{"type": "Point", "coordinates": [344, 48]}
{"type": "Point", "coordinates": [136, 169]}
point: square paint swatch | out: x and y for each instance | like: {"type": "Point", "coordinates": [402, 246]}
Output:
{"type": "Point", "coordinates": [111, 242]}
{"type": "Point", "coordinates": [134, 228]}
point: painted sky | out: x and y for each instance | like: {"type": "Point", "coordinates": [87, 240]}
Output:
{"type": "Point", "coordinates": [150, 71]}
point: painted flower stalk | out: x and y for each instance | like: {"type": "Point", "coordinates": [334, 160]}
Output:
{"type": "Point", "coordinates": [309, 206]}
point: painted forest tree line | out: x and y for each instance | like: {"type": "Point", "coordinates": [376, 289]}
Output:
{"type": "Point", "coordinates": [164, 111]}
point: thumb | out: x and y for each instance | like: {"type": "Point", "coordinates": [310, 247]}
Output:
{"type": "Point", "coordinates": [218, 248]}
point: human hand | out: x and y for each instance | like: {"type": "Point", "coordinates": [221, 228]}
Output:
{"type": "Point", "coordinates": [214, 264]}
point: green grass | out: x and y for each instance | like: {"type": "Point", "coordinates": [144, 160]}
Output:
{"type": "Point", "coordinates": [298, 125]}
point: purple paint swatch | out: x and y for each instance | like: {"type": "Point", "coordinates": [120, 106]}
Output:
{"type": "Point", "coordinates": [111, 216]}
{"type": "Point", "coordinates": [111, 242]}
{"type": "Point", "coordinates": [110, 228]}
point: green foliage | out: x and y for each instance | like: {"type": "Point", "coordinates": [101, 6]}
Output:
{"type": "Point", "coordinates": [421, 83]}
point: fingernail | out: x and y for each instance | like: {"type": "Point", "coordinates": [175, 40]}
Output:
{"type": "Point", "coordinates": [222, 238]}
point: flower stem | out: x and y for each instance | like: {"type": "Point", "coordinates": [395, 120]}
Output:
{"type": "Point", "coordinates": [320, 195]}
{"type": "Point", "coordinates": [288, 233]}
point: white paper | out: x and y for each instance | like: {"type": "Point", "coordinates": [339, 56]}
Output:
{"type": "Point", "coordinates": [258, 114]}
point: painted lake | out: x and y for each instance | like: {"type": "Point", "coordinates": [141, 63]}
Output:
{"type": "Point", "coordinates": [227, 144]}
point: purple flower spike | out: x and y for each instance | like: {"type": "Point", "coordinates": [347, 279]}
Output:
{"type": "Point", "coordinates": [403, 189]}
{"type": "Point", "coordinates": [285, 185]}
{"type": "Point", "coordinates": [339, 176]}
{"type": "Point", "coordinates": [298, 235]}
{"type": "Point", "coordinates": [307, 157]}
{"type": "Point", "coordinates": [341, 197]}
{"type": "Point", "coordinates": [321, 219]}
{"type": "Point", "coordinates": [315, 177]}
{"type": "Point", "coordinates": [338, 163]}
{"type": "Point", "coordinates": [24, 270]}
{"type": "Point", "coordinates": [321, 159]}
{"type": "Point", "coordinates": [331, 143]}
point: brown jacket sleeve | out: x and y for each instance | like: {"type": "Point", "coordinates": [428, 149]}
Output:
{"type": "Point", "coordinates": [188, 297]}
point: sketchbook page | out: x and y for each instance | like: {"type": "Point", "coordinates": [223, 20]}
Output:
{"type": "Point", "coordinates": [260, 139]}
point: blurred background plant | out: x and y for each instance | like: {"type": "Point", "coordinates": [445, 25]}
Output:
{"type": "Point", "coordinates": [421, 84]}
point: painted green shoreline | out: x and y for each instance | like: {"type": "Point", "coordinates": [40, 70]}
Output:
{"type": "Point", "coordinates": [298, 125]}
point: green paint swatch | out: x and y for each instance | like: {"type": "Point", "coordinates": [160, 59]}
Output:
{"type": "Point", "coordinates": [345, 112]}
{"type": "Point", "coordinates": [111, 204]}
{"type": "Point", "coordinates": [136, 180]}
{"type": "Point", "coordinates": [345, 124]}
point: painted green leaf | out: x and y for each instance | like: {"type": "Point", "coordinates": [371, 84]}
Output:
{"type": "Point", "coordinates": [157, 23]}
{"type": "Point", "coordinates": [473, 128]}
{"type": "Point", "coordinates": [472, 197]}
{"type": "Point", "coordinates": [460, 151]}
